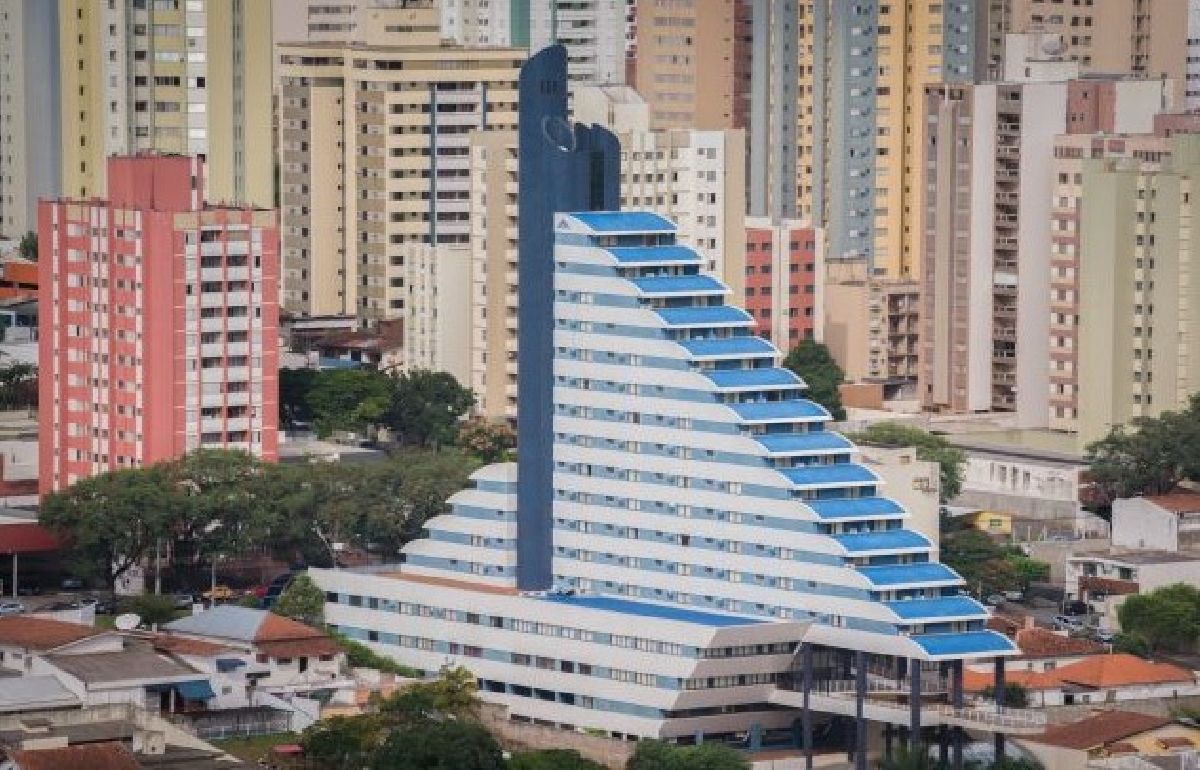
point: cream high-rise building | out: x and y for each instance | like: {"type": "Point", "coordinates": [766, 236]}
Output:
{"type": "Point", "coordinates": [1145, 38]}
{"type": "Point", "coordinates": [374, 154]}
{"type": "Point", "coordinates": [29, 118]}
{"type": "Point", "coordinates": [1139, 292]}
{"type": "Point", "coordinates": [190, 77]}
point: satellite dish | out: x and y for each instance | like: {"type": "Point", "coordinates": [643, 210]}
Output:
{"type": "Point", "coordinates": [127, 622]}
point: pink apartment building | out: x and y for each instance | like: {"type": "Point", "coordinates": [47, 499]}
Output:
{"type": "Point", "coordinates": [158, 324]}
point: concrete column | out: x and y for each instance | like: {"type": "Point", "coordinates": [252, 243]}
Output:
{"type": "Point", "coordinates": [914, 706]}
{"type": "Point", "coordinates": [860, 717]}
{"type": "Point", "coordinates": [806, 661]}
{"type": "Point", "coordinates": [956, 700]}
{"type": "Point", "coordinates": [998, 685]}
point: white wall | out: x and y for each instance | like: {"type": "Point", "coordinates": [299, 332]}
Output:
{"type": "Point", "coordinates": [1139, 523]}
{"type": "Point", "coordinates": [983, 217]}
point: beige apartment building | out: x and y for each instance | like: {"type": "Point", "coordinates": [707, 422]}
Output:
{"type": "Point", "coordinates": [1139, 291]}
{"type": "Point", "coordinates": [691, 62]}
{"type": "Point", "coordinates": [168, 76]}
{"type": "Point", "coordinates": [375, 158]}
{"type": "Point", "coordinates": [1144, 38]}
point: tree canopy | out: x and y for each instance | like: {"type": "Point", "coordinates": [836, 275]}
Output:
{"type": "Point", "coordinates": [426, 406]}
{"type": "Point", "coordinates": [29, 246]}
{"type": "Point", "coordinates": [813, 362]}
{"type": "Point", "coordinates": [552, 759]}
{"type": "Point", "coordinates": [656, 755]}
{"type": "Point", "coordinates": [1149, 456]}
{"type": "Point", "coordinates": [1166, 619]}
{"type": "Point", "coordinates": [348, 400]}
{"type": "Point", "coordinates": [302, 600]}
{"type": "Point", "coordinates": [987, 567]}
{"type": "Point", "coordinates": [18, 386]}
{"type": "Point", "coordinates": [930, 448]}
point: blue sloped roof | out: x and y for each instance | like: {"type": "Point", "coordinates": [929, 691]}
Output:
{"type": "Point", "coordinates": [792, 409]}
{"type": "Point", "coordinates": [892, 539]}
{"type": "Point", "coordinates": [920, 572]}
{"type": "Point", "coordinates": [856, 508]}
{"type": "Point", "coordinates": [650, 610]}
{"type": "Point", "coordinates": [624, 221]}
{"type": "Point", "coordinates": [704, 316]}
{"type": "Point", "coordinates": [678, 284]}
{"type": "Point", "coordinates": [812, 441]}
{"type": "Point", "coordinates": [964, 643]}
{"type": "Point", "coordinates": [632, 255]}
{"type": "Point", "coordinates": [729, 346]}
{"type": "Point", "coordinates": [841, 473]}
{"type": "Point", "coordinates": [749, 378]}
{"type": "Point", "coordinates": [943, 607]}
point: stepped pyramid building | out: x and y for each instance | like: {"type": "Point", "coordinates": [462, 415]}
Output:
{"type": "Point", "coordinates": [688, 551]}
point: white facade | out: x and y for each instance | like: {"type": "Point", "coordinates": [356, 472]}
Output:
{"type": "Point", "coordinates": [593, 32]}
{"type": "Point", "coordinates": [477, 22]}
{"type": "Point", "coordinates": [436, 311]}
{"type": "Point", "coordinates": [29, 111]}
{"type": "Point", "coordinates": [692, 483]}
{"type": "Point", "coordinates": [1146, 524]}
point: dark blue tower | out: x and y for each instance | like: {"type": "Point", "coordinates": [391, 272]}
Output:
{"type": "Point", "coordinates": [563, 167]}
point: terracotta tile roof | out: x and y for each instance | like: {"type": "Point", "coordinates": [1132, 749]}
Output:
{"type": "Point", "coordinates": [1175, 742]}
{"type": "Point", "coordinates": [87, 756]}
{"type": "Point", "coordinates": [1122, 747]}
{"type": "Point", "coordinates": [276, 628]}
{"type": "Point", "coordinates": [1121, 670]}
{"type": "Point", "coordinates": [1177, 502]}
{"type": "Point", "coordinates": [1096, 671]}
{"type": "Point", "coordinates": [1099, 730]}
{"type": "Point", "coordinates": [299, 648]}
{"type": "Point", "coordinates": [182, 645]}
{"type": "Point", "coordinates": [1044, 643]}
{"type": "Point", "coordinates": [1003, 624]}
{"type": "Point", "coordinates": [26, 537]}
{"type": "Point", "coordinates": [41, 633]}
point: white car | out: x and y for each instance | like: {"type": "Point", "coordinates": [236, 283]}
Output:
{"type": "Point", "coordinates": [11, 608]}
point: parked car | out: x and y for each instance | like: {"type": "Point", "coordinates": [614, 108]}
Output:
{"type": "Point", "coordinates": [183, 601]}
{"type": "Point", "coordinates": [71, 584]}
{"type": "Point", "coordinates": [1014, 596]}
{"type": "Point", "coordinates": [61, 606]}
{"type": "Point", "coordinates": [11, 608]}
{"type": "Point", "coordinates": [1067, 623]}
{"type": "Point", "coordinates": [995, 600]}
{"type": "Point", "coordinates": [220, 593]}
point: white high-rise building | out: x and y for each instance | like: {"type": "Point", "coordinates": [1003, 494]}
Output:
{"type": "Point", "coordinates": [593, 32]}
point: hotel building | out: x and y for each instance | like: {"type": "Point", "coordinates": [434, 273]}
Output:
{"type": "Point", "coordinates": [158, 323]}
{"type": "Point", "coordinates": [710, 560]}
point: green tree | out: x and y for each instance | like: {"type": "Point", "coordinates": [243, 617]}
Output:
{"type": "Point", "coordinates": [294, 388]}
{"type": "Point", "coordinates": [552, 759]}
{"type": "Point", "coordinates": [29, 246]}
{"type": "Point", "coordinates": [453, 694]}
{"type": "Point", "coordinates": [18, 386]}
{"type": "Point", "coordinates": [656, 755]}
{"type": "Point", "coordinates": [1148, 456]}
{"type": "Point", "coordinates": [813, 362]}
{"type": "Point", "coordinates": [426, 406]}
{"type": "Point", "coordinates": [349, 400]}
{"type": "Point", "coordinates": [1168, 618]}
{"type": "Point", "coordinates": [226, 509]}
{"type": "Point", "coordinates": [1016, 763]}
{"type": "Point", "coordinates": [302, 600]}
{"type": "Point", "coordinates": [359, 655]}
{"type": "Point", "coordinates": [1015, 695]}
{"type": "Point", "coordinates": [111, 521]}
{"type": "Point", "coordinates": [448, 745]}
{"type": "Point", "coordinates": [489, 441]}
{"type": "Point", "coordinates": [984, 565]}
{"type": "Point", "coordinates": [930, 447]}
{"type": "Point", "coordinates": [905, 758]}
{"type": "Point", "coordinates": [152, 608]}
{"type": "Point", "coordinates": [342, 743]}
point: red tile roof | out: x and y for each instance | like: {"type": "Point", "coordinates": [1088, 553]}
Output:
{"type": "Point", "coordinates": [41, 633]}
{"type": "Point", "coordinates": [1044, 643]}
{"type": "Point", "coordinates": [1096, 671]}
{"type": "Point", "coordinates": [1099, 730]}
{"type": "Point", "coordinates": [299, 648]}
{"type": "Point", "coordinates": [87, 756]}
{"type": "Point", "coordinates": [182, 645]}
{"type": "Point", "coordinates": [26, 537]}
{"type": "Point", "coordinates": [1175, 742]}
{"type": "Point", "coordinates": [1177, 502]}
{"type": "Point", "coordinates": [276, 628]}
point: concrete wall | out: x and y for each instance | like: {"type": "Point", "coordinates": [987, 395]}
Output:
{"type": "Point", "coordinates": [1139, 523]}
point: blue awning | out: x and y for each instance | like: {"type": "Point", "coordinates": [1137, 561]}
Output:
{"type": "Point", "coordinates": [198, 689]}
{"type": "Point", "coordinates": [225, 665]}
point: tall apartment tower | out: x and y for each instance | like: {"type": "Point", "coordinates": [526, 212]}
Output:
{"type": "Point", "coordinates": [783, 280]}
{"type": "Point", "coordinates": [29, 117]}
{"type": "Point", "coordinates": [985, 342]}
{"type": "Point", "coordinates": [374, 155]}
{"type": "Point", "coordinates": [158, 323]}
{"type": "Point", "coordinates": [1143, 38]}
{"type": "Point", "coordinates": [834, 136]}
{"type": "Point", "coordinates": [169, 76]}
{"type": "Point", "coordinates": [593, 32]}
{"type": "Point", "coordinates": [691, 63]}
{"type": "Point", "coordinates": [1137, 335]}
